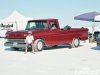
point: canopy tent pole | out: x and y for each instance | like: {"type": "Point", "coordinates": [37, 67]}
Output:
{"type": "Point", "coordinates": [16, 25]}
{"type": "Point", "coordinates": [93, 29]}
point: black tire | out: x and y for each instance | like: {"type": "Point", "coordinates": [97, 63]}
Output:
{"type": "Point", "coordinates": [15, 48]}
{"type": "Point", "coordinates": [75, 43]}
{"type": "Point", "coordinates": [55, 46]}
{"type": "Point", "coordinates": [38, 45]}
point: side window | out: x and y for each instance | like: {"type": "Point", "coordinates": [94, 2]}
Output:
{"type": "Point", "coordinates": [53, 25]}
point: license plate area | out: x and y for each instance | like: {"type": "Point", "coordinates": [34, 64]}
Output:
{"type": "Point", "coordinates": [14, 43]}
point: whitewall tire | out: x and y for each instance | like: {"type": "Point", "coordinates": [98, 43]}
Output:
{"type": "Point", "coordinates": [38, 45]}
{"type": "Point", "coordinates": [75, 43]}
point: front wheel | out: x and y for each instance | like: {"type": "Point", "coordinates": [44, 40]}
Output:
{"type": "Point", "coordinates": [75, 43]}
{"type": "Point", "coordinates": [38, 45]}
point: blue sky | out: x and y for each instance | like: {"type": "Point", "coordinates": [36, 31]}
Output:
{"type": "Point", "coordinates": [64, 10]}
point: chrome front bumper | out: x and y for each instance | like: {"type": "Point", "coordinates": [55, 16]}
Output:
{"type": "Point", "coordinates": [15, 43]}
{"type": "Point", "coordinates": [9, 44]}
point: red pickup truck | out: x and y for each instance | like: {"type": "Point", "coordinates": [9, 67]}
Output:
{"type": "Point", "coordinates": [46, 33]}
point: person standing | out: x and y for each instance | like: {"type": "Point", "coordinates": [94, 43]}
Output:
{"type": "Point", "coordinates": [29, 41]}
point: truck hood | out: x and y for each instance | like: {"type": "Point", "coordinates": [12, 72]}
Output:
{"type": "Point", "coordinates": [16, 34]}
{"type": "Point", "coordinates": [20, 34]}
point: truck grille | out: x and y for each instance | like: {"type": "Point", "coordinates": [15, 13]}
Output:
{"type": "Point", "coordinates": [17, 40]}
{"type": "Point", "coordinates": [17, 35]}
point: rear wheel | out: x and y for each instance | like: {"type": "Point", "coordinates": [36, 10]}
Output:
{"type": "Point", "coordinates": [75, 43]}
{"type": "Point", "coordinates": [38, 45]}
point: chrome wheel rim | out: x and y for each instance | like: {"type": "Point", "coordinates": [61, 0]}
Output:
{"type": "Point", "coordinates": [40, 45]}
{"type": "Point", "coordinates": [76, 42]}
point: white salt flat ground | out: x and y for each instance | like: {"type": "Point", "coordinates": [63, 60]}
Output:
{"type": "Point", "coordinates": [84, 60]}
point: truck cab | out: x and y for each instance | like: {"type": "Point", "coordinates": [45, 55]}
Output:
{"type": "Point", "coordinates": [43, 24]}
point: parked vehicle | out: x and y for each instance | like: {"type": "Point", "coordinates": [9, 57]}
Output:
{"type": "Point", "coordinates": [46, 32]}
{"type": "Point", "coordinates": [96, 35]}
{"type": "Point", "coordinates": [98, 40]}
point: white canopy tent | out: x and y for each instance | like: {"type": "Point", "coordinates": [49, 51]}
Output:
{"type": "Point", "coordinates": [16, 20]}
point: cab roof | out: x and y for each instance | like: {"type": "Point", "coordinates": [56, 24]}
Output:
{"type": "Point", "coordinates": [43, 20]}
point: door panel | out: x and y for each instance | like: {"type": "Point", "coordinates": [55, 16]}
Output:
{"type": "Point", "coordinates": [52, 37]}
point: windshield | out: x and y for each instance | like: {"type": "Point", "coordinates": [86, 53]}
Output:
{"type": "Point", "coordinates": [36, 25]}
